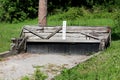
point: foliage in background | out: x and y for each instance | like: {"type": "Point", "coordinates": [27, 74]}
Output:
{"type": "Point", "coordinates": [17, 10]}
{"type": "Point", "coordinates": [13, 11]}
{"type": "Point", "coordinates": [76, 13]}
{"type": "Point", "coordinates": [116, 28]}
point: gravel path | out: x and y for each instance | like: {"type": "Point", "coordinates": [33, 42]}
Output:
{"type": "Point", "coordinates": [14, 67]}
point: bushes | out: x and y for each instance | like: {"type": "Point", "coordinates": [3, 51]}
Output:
{"type": "Point", "coordinates": [117, 22]}
{"type": "Point", "coordinates": [71, 14]}
{"type": "Point", "coordinates": [75, 13]}
{"type": "Point", "coordinates": [17, 10]}
{"type": "Point", "coordinates": [116, 28]}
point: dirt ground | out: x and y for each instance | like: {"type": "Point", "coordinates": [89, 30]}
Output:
{"type": "Point", "coordinates": [14, 67]}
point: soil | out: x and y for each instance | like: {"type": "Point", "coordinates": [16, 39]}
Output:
{"type": "Point", "coordinates": [15, 67]}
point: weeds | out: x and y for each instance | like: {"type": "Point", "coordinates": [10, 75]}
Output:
{"type": "Point", "coordinates": [38, 75]}
{"type": "Point", "coordinates": [25, 78]}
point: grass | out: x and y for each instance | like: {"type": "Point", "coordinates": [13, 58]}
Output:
{"type": "Point", "coordinates": [38, 75]}
{"type": "Point", "coordinates": [8, 31]}
{"type": "Point", "coordinates": [87, 19]}
{"type": "Point", "coordinates": [84, 22]}
{"type": "Point", "coordinates": [105, 66]}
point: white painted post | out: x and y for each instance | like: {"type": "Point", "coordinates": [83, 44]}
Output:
{"type": "Point", "coordinates": [64, 30]}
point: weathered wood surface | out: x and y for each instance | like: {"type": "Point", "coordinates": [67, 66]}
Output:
{"type": "Point", "coordinates": [49, 36]}
{"type": "Point", "coordinates": [33, 32]}
{"type": "Point", "coordinates": [79, 39]}
{"type": "Point", "coordinates": [64, 41]}
{"type": "Point", "coordinates": [68, 29]}
{"type": "Point", "coordinates": [68, 36]}
{"type": "Point", "coordinates": [4, 54]}
{"type": "Point", "coordinates": [73, 33]}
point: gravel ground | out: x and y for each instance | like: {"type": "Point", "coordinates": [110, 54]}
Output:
{"type": "Point", "coordinates": [14, 67]}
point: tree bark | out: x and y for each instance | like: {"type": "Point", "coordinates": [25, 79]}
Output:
{"type": "Point", "coordinates": [42, 13]}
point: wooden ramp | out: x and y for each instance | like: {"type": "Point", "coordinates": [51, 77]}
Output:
{"type": "Point", "coordinates": [79, 39]}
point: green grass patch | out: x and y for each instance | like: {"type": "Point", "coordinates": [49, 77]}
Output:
{"type": "Point", "coordinates": [83, 22]}
{"type": "Point", "coordinates": [105, 66]}
{"type": "Point", "coordinates": [38, 75]}
{"type": "Point", "coordinates": [8, 31]}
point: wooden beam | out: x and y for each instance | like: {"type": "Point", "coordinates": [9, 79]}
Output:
{"type": "Point", "coordinates": [34, 33]}
{"type": "Point", "coordinates": [22, 42]}
{"type": "Point", "coordinates": [49, 36]}
{"type": "Point", "coordinates": [91, 36]}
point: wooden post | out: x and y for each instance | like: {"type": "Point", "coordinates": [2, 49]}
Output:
{"type": "Point", "coordinates": [42, 13]}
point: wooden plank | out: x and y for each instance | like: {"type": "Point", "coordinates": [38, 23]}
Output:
{"type": "Point", "coordinates": [78, 29]}
{"type": "Point", "coordinates": [63, 48]}
{"type": "Point", "coordinates": [22, 42]}
{"type": "Point", "coordinates": [71, 29]}
{"type": "Point", "coordinates": [68, 35]}
{"type": "Point", "coordinates": [72, 32]}
{"type": "Point", "coordinates": [59, 35]}
{"type": "Point", "coordinates": [49, 36]}
{"type": "Point", "coordinates": [5, 54]}
{"type": "Point", "coordinates": [59, 38]}
{"type": "Point", "coordinates": [65, 41]}
{"type": "Point", "coordinates": [34, 33]}
{"type": "Point", "coordinates": [91, 36]}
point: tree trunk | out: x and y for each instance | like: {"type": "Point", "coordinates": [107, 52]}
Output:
{"type": "Point", "coordinates": [42, 13]}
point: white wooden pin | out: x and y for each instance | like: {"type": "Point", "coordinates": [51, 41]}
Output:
{"type": "Point", "coordinates": [64, 30]}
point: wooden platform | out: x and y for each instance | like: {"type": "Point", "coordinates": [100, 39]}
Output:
{"type": "Point", "coordinates": [79, 39]}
